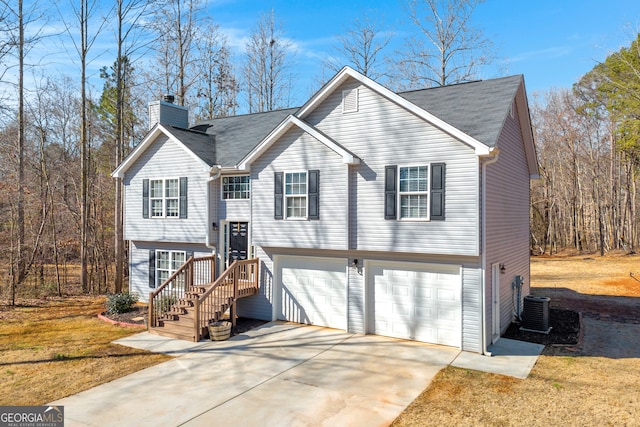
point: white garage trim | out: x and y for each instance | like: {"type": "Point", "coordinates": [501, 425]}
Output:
{"type": "Point", "coordinates": [415, 301]}
{"type": "Point", "coordinates": [311, 290]}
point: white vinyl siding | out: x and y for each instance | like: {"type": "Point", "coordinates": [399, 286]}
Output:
{"type": "Point", "coordinates": [260, 306]}
{"type": "Point", "coordinates": [153, 164]}
{"type": "Point", "coordinates": [507, 220]}
{"type": "Point", "coordinates": [139, 277]}
{"type": "Point", "coordinates": [471, 309]}
{"type": "Point", "coordinates": [383, 133]}
{"type": "Point", "coordinates": [306, 153]}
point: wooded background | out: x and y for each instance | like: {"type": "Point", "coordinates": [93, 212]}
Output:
{"type": "Point", "coordinates": [61, 211]}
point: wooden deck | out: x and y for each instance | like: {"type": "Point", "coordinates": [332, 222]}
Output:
{"type": "Point", "coordinates": [186, 314]}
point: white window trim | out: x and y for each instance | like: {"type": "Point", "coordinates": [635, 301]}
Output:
{"type": "Point", "coordinates": [222, 187]}
{"type": "Point", "coordinates": [164, 198]}
{"type": "Point", "coordinates": [427, 218]}
{"type": "Point", "coordinates": [286, 197]}
{"type": "Point", "coordinates": [170, 270]}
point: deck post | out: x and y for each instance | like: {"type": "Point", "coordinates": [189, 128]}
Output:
{"type": "Point", "coordinates": [190, 274]}
{"type": "Point", "coordinates": [196, 320]}
{"type": "Point", "coordinates": [232, 309]}
{"type": "Point", "coordinates": [150, 314]}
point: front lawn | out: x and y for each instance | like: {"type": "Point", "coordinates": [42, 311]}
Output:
{"type": "Point", "coordinates": [53, 348]}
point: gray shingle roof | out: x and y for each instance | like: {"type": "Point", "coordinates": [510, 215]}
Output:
{"type": "Point", "coordinates": [200, 143]}
{"type": "Point", "coordinates": [236, 136]}
{"type": "Point", "coordinates": [479, 108]}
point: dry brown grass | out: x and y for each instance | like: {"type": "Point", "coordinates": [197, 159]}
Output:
{"type": "Point", "coordinates": [588, 275]}
{"type": "Point", "coordinates": [53, 348]}
{"type": "Point", "coordinates": [564, 388]}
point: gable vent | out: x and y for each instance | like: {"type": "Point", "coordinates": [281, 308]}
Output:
{"type": "Point", "coordinates": [350, 101]}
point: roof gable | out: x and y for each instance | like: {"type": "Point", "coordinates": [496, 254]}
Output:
{"type": "Point", "coordinates": [346, 73]}
{"type": "Point", "coordinates": [197, 144]}
{"type": "Point", "coordinates": [288, 123]}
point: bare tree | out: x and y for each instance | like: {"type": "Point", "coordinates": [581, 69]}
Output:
{"type": "Point", "coordinates": [16, 19]}
{"type": "Point", "coordinates": [128, 15]}
{"type": "Point", "coordinates": [7, 28]}
{"type": "Point", "coordinates": [268, 55]}
{"type": "Point", "coordinates": [175, 23]}
{"type": "Point", "coordinates": [217, 87]}
{"type": "Point", "coordinates": [362, 47]}
{"type": "Point", "coordinates": [84, 13]}
{"type": "Point", "coordinates": [447, 48]}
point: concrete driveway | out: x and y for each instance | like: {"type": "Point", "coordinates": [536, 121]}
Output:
{"type": "Point", "coordinates": [281, 374]}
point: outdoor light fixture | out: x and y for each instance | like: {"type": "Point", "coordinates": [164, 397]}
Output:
{"type": "Point", "coordinates": [355, 262]}
{"type": "Point", "coordinates": [215, 226]}
{"type": "Point", "coordinates": [502, 269]}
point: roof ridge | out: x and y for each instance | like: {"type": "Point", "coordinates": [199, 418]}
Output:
{"type": "Point", "coordinates": [460, 84]}
{"type": "Point", "coordinates": [187, 130]}
{"type": "Point", "coordinates": [209, 121]}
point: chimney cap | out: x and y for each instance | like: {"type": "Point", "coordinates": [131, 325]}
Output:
{"type": "Point", "coordinates": [168, 98]}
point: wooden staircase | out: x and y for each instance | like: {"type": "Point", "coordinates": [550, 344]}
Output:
{"type": "Point", "coordinates": [184, 306]}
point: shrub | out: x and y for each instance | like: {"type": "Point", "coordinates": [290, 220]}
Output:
{"type": "Point", "coordinates": [120, 303]}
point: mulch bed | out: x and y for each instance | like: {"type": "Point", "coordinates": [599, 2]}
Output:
{"type": "Point", "coordinates": [565, 330]}
{"type": "Point", "coordinates": [132, 317]}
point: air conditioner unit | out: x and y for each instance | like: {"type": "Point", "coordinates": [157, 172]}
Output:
{"type": "Point", "coordinates": [535, 316]}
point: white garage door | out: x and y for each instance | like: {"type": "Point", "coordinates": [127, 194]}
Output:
{"type": "Point", "coordinates": [312, 290]}
{"type": "Point", "coordinates": [416, 301]}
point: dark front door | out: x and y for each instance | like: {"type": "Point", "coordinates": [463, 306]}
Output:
{"type": "Point", "coordinates": [238, 241]}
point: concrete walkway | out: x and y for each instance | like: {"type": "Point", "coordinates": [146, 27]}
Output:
{"type": "Point", "coordinates": [279, 374]}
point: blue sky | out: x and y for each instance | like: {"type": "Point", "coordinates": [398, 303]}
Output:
{"type": "Point", "coordinates": [552, 42]}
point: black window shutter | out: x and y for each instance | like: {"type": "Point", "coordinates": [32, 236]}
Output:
{"type": "Point", "coordinates": [437, 191]}
{"type": "Point", "coordinates": [278, 212]}
{"type": "Point", "coordinates": [145, 198]}
{"type": "Point", "coordinates": [314, 194]}
{"type": "Point", "coordinates": [183, 197]}
{"type": "Point", "coordinates": [390, 197]}
{"type": "Point", "coordinates": [152, 269]}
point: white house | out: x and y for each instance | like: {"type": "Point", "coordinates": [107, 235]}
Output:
{"type": "Point", "coordinates": [398, 214]}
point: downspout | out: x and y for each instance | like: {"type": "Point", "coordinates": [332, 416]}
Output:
{"type": "Point", "coordinates": [492, 158]}
{"type": "Point", "coordinates": [214, 173]}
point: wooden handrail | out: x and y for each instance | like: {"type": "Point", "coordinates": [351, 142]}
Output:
{"type": "Point", "coordinates": [178, 284]}
{"type": "Point", "coordinates": [241, 275]}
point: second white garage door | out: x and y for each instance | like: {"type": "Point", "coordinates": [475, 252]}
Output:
{"type": "Point", "coordinates": [312, 290]}
{"type": "Point", "coordinates": [416, 301]}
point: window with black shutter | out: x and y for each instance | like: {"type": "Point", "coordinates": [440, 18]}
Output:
{"type": "Point", "coordinates": [164, 198]}
{"type": "Point", "coordinates": [415, 192]}
{"type": "Point", "coordinates": [297, 195]}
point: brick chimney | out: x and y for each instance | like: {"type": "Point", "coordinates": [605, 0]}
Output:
{"type": "Point", "coordinates": [167, 113]}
